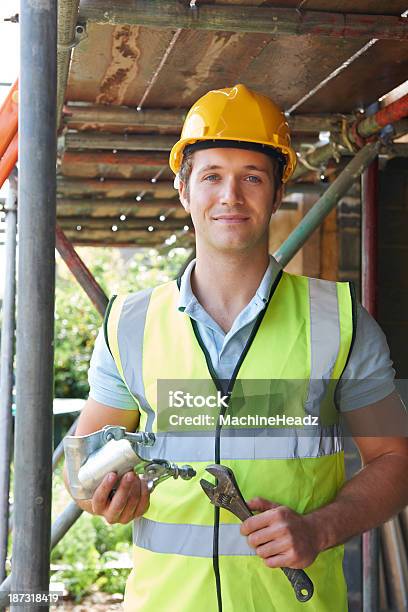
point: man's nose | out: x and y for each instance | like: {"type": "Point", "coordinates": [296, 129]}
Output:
{"type": "Point", "coordinates": [231, 194]}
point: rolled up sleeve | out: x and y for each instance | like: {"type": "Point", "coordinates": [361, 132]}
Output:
{"type": "Point", "coordinates": [369, 374]}
{"type": "Point", "coordinates": [106, 384]}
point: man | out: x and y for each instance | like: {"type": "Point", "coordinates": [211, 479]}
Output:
{"type": "Point", "coordinates": [234, 320]}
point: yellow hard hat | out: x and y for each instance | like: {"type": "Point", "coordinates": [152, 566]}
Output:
{"type": "Point", "coordinates": [238, 114]}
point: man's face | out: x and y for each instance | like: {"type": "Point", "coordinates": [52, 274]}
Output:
{"type": "Point", "coordinates": [232, 196]}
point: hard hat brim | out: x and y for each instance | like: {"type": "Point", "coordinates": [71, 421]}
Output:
{"type": "Point", "coordinates": [177, 152]}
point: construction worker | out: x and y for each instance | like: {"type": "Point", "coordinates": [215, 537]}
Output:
{"type": "Point", "coordinates": [233, 319]}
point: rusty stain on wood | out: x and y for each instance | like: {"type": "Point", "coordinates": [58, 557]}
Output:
{"type": "Point", "coordinates": [123, 68]}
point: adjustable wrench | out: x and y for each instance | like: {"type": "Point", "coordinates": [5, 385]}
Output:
{"type": "Point", "coordinates": [226, 494]}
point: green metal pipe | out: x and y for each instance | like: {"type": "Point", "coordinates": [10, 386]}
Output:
{"type": "Point", "coordinates": [326, 203]}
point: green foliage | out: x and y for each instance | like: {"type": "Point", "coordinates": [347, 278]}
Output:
{"type": "Point", "coordinates": [76, 319]}
{"type": "Point", "coordinates": [92, 554]}
{"type": "Point", "coordinates": [112, 580]}
{"type": "Point", "coordinates": [78, 552]}
{"type": "Point", "coordinates": [111, 538]}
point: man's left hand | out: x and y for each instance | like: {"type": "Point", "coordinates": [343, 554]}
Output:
{"type": "Point", "coordinates": [280, 536]}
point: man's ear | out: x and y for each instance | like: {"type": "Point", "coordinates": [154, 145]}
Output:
{"type": "Point", "coordinates": [278, 198]}
{"type": "Point", "coordinates": [183, 196]}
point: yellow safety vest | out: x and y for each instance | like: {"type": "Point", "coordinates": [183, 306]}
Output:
{"type": "Point", "coordinates": [189, 557]}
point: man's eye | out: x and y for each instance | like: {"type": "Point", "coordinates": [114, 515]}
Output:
{"type": "Point", "coordinates": [211, 177]}
{"type": "Point", "coordinates": [253, 179]}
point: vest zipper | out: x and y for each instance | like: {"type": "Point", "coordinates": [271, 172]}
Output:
{"type": "Point", "coordinates": [223, 409]}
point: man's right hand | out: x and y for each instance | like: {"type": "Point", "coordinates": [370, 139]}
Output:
{"type": "Point", "coordinates": [130, 500]}
{"type": "Point", "coordinates": [132, 497]}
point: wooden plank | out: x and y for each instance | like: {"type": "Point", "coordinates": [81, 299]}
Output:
{"type": "Point", "coordinates": [282, 224]}
{"type": "Point", "coordinates": [124, 116]}
{"type": "Point", "coordinates": [119, 235]}
{"type": "Point", "coordinates": [113, 188]}
{"type": "Point", "coordinates": [376, 72]}
{"type": "Point", "coordinates": [203, 60]}
{"type": "Point", "coordinates": [329, 251]}
{"type": "Point", "coordinates": [129, 142]}
{"type": "Point", "coordinates": [94, 164]}
{"type": "Point", "coordinates": [312, 248]}
{"type": "Point", "coordinates": [67, 207]}
{"type": "Point", "coordinates": [152, 243]}
{"type": "Point", "coordinates": [149, 159]}
{"type": "Point", "coordinates": [170, 15]}
{"type": "Point", "coordinates": [90, 140]}
{"type": "Point", "coordinates": [122, 237]}
{"type": "Point", "coordinates": [131, 223]}
{"type": "Point", "coordinates": [94, 116]}
{"type": "Point", "coordinates": [390, 7]}
{"type": "Point", "coordinates": [283, 67]}
{"type": "Point", "coordinates": [120, 171]}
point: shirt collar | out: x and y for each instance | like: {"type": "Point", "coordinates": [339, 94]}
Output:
{"type": "Point", "coordinates": [188, 300]}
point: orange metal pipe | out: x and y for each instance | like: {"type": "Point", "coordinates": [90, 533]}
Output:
{"type": "Point", "coordinates": [8, 118]}
{"type": "Point", "coordinates": [9, 159]}
{"type": "Point", "coordinates": [389, 114]}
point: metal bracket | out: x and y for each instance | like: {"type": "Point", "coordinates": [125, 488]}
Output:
{"type": "Point", "coordinates": [13, 19]}
{"type": "Point", "coordinates": [305, 163]}
{"type": "Point", "coordinates": [79, 36]}
{"type": "Point", "coordinates": [115, 432]}
{"type": "Point", "coordinates": [344, 136]}
{"type": "Point", "coordinates": [79, 448]}
{"type": "Point", "coordinates": [387, 134]}
{"type": "Point", "coordinates": [6, 208]}
{"type": "Point", "coordinates": [11, 201]}
{"type": "Point", "coordinates": [89, 458]}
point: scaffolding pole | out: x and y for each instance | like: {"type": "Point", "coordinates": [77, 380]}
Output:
{"type": "Point", "coordinates": [369, 221]}
{"type": "Point", "coordinates": [36, 295]}
{"type": "Point", "coordinates": [369, 200]}
{"type": "Point", "coordinates": [84, 277]}
{"type": "Point", "coordinates": [6, 367]}
{"type": "Point", "coordinates": [61, 525]}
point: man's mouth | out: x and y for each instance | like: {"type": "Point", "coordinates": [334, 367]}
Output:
{"type": "Point", "coordinates": [231, 218]}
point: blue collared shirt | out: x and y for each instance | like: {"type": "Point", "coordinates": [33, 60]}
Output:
{"type": "Point", "coordinates": [225, 348]}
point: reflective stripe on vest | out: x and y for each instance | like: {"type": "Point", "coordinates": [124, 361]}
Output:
{"type": "Point", "coordinates": [305, 335]}
{"type": "Point", "coordinates": [133, 311]}
{"type": "Point", "coordinates": [190, 540]}
{"type": "Point", "coordinates": [257, 444]}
